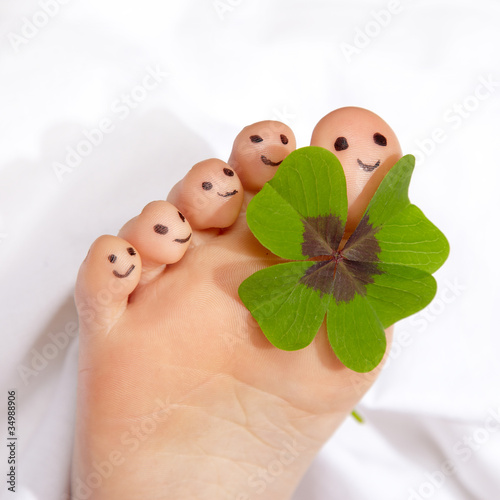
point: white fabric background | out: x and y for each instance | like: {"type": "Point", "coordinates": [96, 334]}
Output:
{"type": "Point", "coordinates": [227, 64]}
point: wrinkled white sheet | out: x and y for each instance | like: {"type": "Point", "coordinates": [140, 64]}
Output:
{"type": "Point", "coordinates": [430, 68]}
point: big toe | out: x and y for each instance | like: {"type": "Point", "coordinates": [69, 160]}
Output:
{"type": "Point", "coordinates": [367, 149]}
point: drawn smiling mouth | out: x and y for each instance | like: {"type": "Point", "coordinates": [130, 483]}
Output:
{"type": "Point", "coordinates": [183, 240]}
{"type": "Point", "coordinates": [368, 168]}
{"type": "Point", "coordinates": [267, 161]}
{"type": "Point", "coordinates": [118, 275]}
{"type": "Point", "coordinates": [232, 193]}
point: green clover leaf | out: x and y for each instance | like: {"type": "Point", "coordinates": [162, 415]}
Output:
{"type": "Point", "coordinates": [381, 275]}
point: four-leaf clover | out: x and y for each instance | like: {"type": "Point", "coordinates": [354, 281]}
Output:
{"type": "Point", "coordinates": [380, 275]}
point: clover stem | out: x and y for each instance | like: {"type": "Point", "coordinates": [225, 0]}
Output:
{"type": "Point", "coordinates": [357, 417]}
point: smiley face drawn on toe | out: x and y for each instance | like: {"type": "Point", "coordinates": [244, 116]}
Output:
{"type": "Point", "coordinates": [232, 193]}
{"type": "Point", "coordinates": [260, 146]}
{"type": "Point", "coordinates": [160, 233]}
{"type": "Point", "coordinates": [217, 181]}
{"type": "Point", "coordinates": [210, 195]}
{"type": "Point", "coordinates": [113, 258]}
{"type": "Point", "coordinates": [341, 144]}
{"type": "Point", "coordinates": [368, 168]}
{"type": "Point", "coordinates": [183, 240]}
{"type": "Point", "coordinates": [163, 230]}
{"type": "Point", "coordinates": [207, 185]}
{"type": "Point", "coordinates": [160, 229]}
{"type": "Point", "coordinates": [266, 161]}
{"type": "Point", "coordinates": [377, 139]}
{"type": "Point", "coordinates": [129, 270]}
{"type": "Point", "coordinates": [367, 149]}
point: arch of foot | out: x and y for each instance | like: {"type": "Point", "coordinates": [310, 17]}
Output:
{"type": "Point", "coordinates": [367, 149]}
{"type": "Point", "coordinates": [210, 195]}
{"type": "Point", "coordinates": [258, 150]}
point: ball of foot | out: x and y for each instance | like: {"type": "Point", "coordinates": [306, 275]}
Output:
{"type": "Point", "coordinates": [210, 195]}
{"type": "Point", "coordinates": [258, 150]}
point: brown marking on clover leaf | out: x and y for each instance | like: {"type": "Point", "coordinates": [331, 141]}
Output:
{"type": "Point", "coordinates": [341, 273]}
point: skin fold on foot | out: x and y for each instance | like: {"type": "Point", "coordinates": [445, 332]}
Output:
{"type": "Point", "coordinates": [180, 395]}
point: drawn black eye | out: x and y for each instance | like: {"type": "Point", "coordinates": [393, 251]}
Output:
{"type": "Point", "coordinates": [284, 139]}
{"type": "Point", "coordinates": [207, 186]}
{"type": "Point", "coordinates": [112, 258]}
{"type": "Point", "coordinates": [341, 144]}
{"type": "Point", "coordinates": [256, 138]}
{"type": "Point", "coordinates": [228, 172]}
{"type": "Point", "coordinates": [380, 139]}
{"type": "Point", "coordinates": [131, 251]}
{"type": "Point", "coordinates": [183, 219]}
{"type": "Point", "coordinates": [161, 229]}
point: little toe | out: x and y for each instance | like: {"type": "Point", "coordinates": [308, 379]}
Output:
{"type": "Point", "coordinates": [210, 195]}
{"type": "Point", "coordinates": [367, 149]}
{"type": "Point", "coordinates": [161, 234]}
{"type": "Point", "coordinates": [107, 276]}
{"type": "Point", "coordinates": [258, 150]}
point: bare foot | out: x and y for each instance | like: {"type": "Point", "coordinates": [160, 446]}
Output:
{"type": "Point", "coordinates": [180, 394]}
